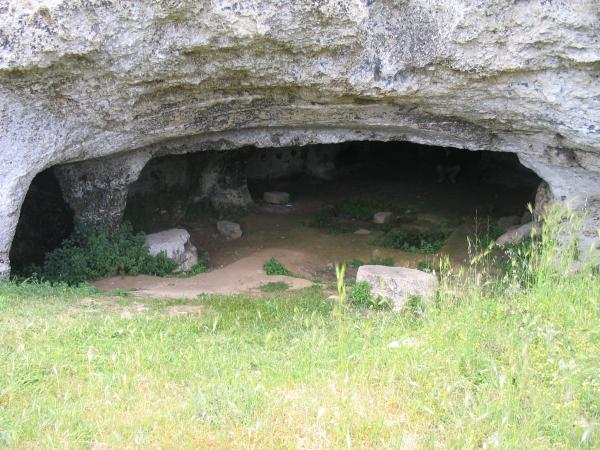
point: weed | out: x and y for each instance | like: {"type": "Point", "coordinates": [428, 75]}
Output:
{"type": "Point", "coordinates": [274, 267]}
{"type": "Point", "coordinates": [274, 286]}
{"type": "Point", "coordinates": [362, 297]}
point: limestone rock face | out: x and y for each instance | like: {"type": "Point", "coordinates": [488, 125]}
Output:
{"type": "Point", "coordinates": [104, 86]}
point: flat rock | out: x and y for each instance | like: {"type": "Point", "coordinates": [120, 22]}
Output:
{"type": "Point", "coordinates": [362, 231]}
{"type": "Point", "coordinates": [229, 230]}
{"type": "Point", "coordinates": [383, 217]}
{"type": "Point", "coordinates": [175, 244]}
{"type": "Point", "coordinates": [398, 284]}
{"type": "Point", "coordinates": [515, 234]}
{"type": "Point", "coordinates": [276, 198]}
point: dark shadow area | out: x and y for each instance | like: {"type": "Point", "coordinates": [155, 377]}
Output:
{"type": "Point", "coordinates": [45, 222]}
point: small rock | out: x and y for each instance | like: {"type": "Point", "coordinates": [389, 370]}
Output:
{"type": "Point", "coordinates": [508, 221]}
{"type": "Point", "coordinates": [397, 284]}
{"type": "Point", "coordinates": [383, 217]}
{"type": "Point", "coordinates": [229, 230]}
{"type": "Point", "coordinates": [362, 231]}
{"type": "Point", "coordinates": [276, 198]}
{"type": "Point", "coordinates": [526, 217]}
{"type": "Point", "coordinates": [515, 234]}
{"type": "Point", "coordinates": [175, 244]}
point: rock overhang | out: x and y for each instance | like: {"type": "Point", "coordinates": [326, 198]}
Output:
{"type": "Point", "coordinates": [133, 80]}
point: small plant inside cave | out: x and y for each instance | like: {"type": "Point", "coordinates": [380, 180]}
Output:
{"type": "Point", "coordinates": [90, 253]}
{"type": "Point", "coordinates": [274, 267]}
{"type": "Point", "coordinates": [413, 240]}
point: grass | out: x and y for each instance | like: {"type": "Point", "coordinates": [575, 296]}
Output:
{"type": "Point", "coordinates": [374, 261]}
{"type": "Point", "coordinates": [274, 286]}
{"type": "Point", "coordinates": [511, 361]}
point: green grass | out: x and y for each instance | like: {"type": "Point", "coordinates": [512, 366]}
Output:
{"type": "Point", "coordinates": [512, 360]}
{"type": "Point", "coordinates": [274, 286]}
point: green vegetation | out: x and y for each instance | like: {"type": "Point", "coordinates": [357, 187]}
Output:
{"type": "Point", "coordinates": [361, 297]}
{"type": "Point", "coordinates": [274, 286]}
{"type": "Point", "coordinates": [425, 265]}
{"type": "Point", "coordinates": [374, 261]}
{"type": "Point", "coordinates": [509, 362]}
{"type": "Point", "coordinates": [274, 267]}
{"type": "Point", "coordinates": [325, 220]}
{"type": "Point", "coordinates": [415, 241]}
{"type": "Point", "coordinates": [89, 254]}
{"type": "Point", "coordinates": [201, 266]}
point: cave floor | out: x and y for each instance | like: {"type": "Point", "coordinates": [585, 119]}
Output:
{"type": "Point", "coordinates": [309, 252]}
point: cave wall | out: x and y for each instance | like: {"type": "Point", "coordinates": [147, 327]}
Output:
{"type": "Point", "coordinates": [102, 87]}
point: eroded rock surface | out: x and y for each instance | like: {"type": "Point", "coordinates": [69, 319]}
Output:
{"type": "Point", "coordinates": [117, 83]}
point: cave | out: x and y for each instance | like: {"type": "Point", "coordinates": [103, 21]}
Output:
{"type": "Point", "coordinates": [429, 187]}
{"type": "Point", "coordinates": [46, 220]}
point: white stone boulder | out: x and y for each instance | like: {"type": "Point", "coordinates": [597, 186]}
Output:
{"type": "Point", "coordinates": [276, 198]}
{"type": "Point", "coordinates": [175, 244]}
{"type": "Point", "coordinates": [229, 230]}
{"type": "Point", "coordinates": [398, 284]}
{"type": "Point", "coordinates": [383, 217]}
{"type": "Point", "coordinates": [515, 234]}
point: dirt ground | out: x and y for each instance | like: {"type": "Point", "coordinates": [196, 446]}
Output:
{"type": "Point", "coordinates": [283, 232]}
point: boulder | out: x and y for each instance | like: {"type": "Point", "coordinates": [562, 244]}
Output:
{"type": "Point", "coordinates": [508, 221]}
{"type": "Point", "coordinates": [515, 234]}
{"type": "Point", "coordinates": [276, 198]}
{"type": "Point", "coordinates": [175, 244]}
{"type": "Point", "coordinates": [383, 217]}
{"type": "Point", "coordinates": [229, 230]}
{"type": "Point", "coordinates": [398, 284]}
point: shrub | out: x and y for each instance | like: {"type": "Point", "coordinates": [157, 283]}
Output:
{"type": "Point", "coordinates": [89, 254]}
{"type": "Point", "coordinates": [274, 267]}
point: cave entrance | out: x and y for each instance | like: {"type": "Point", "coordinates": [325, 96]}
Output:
{"type": "Point", "coordinates": [46, 220]}
{"type": "Point", "coordinates": [437, 196]}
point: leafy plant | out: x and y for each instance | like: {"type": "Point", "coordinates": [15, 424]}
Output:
{"type": "Point", "coordinates": [274, 267]}
{"type": "Point", "coordinates": [274, 286]}
{"type": "Point", "coordinates": [91, 253]}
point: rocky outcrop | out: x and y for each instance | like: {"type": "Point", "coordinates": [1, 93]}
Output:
{"type": "Point", "coordinates": [105, 86]}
